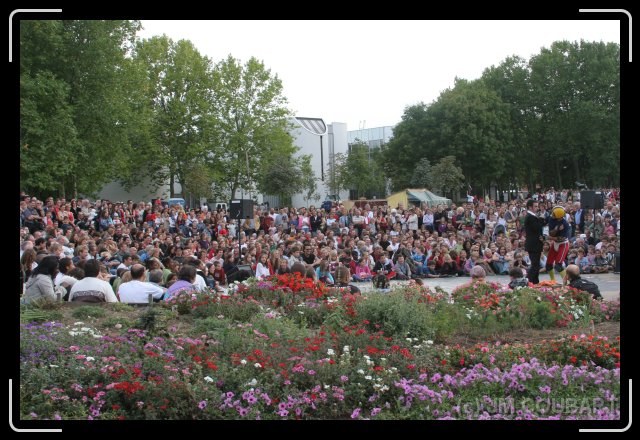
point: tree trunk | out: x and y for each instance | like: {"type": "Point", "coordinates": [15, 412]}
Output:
{"type": "Point", "coordinates": [576, 167]}
{"type": "Point", "coordinates": [75, 187]}
{"type": "Point", "coordinates": [559, 174]}
{"type": "Point", "coordinates": [171, 190]}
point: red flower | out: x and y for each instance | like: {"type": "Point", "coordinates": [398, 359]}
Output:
{"type": "Point", "coordinates": [573, 359]}
{"type": "Point", "coordinates": [115, 407]}
{"type": "Point", "coordinates": [212, 365]}
{"type": "Point", "coordinates": [462, 361]}
{"type": "Point", "coordinates": [411, 366]}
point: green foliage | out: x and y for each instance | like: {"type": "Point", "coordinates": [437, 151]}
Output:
{"type": "Point", "coordinates": [561, 107]}
{"type": "Point", "coordinates": [422, 174]}
{"type": "Point", "coordinates": [88, 312]}
{"type": "Point", "coordinates": [120, 307]}
{"type": "Point", "coordinates": [398, 316]}
{"type": "Point", "coordinates": [40, 315]}
{"type": "Point", "coordinates": [249, 123]}
{"type": "Point", "coordinates": [285, 178]}
{"type": "Point", "coordinates": [74, 103]}
{"type": "Point", "coordinates": [360, 170]}
{"type": "Point", "coordinates": [148, 320]}
{"type": "Point", "coordinates": [446, 177]}
{"type": "Point", "coordinates": [112, 321]}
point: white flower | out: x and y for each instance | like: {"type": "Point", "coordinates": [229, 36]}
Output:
{"type": "Point", "coordinates": [408, 339]}
{"type": "Point", "coordinates": [208, 379]}
{"type": "Point", "coordinates": [368, 377]}
{"type": "Point", "coordinates": [54, 366]}
{"type": "Point", "coordinates": [73, 333]}
{"type": "Point", "coordinates": [89, 358]}
{"type": "Point", "coordinates": [257, 365]}
{"type": "Point", "coordinates": [346, 349]}
{"type": "Point", "coordinates": [78, 323]}
{"type": "Point", "coordinates": [430, 342]}
{"type": "Point", "coordinates": [366, 357]}
{"type": "Point", "coordinates": [361, 371]}
{"type": "Point", "coordinates": [326, 387]}
{"type": "Point", "coordinates": [243, 362]}
{"type": "Point", "coordinates": [85, 329]}
{"type": "Point", "coordinates": [330, 352]}
{"type": "Point", "coordinates": [252, 383]}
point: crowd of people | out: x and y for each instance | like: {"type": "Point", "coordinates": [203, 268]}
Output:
{"type": "Point", "coordinates": [86, 251]}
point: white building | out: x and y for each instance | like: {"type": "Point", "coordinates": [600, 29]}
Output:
{"type": "Point", "coordinates": [313, 137]}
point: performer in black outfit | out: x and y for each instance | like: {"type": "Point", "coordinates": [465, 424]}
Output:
{"type": "Point", "coordinates": [533, 244]}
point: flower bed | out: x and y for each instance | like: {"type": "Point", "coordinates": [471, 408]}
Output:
{"type": "Point", "coordinates": [319, 354]}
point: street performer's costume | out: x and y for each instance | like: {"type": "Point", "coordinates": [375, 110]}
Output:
{"type": "Point", "coordinates": [559, 242]}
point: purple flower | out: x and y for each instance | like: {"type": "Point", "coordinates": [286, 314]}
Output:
{"type": "Point", "coordinates": [375, 411]}
{"type": "Point", "coordinates": [344, 378]}
{"type": "Point", "coordinates": [311, 372]}
{"type": "Point", "coordinates": [202, 405]}
{"type": "Point", "coordinates": [356, 413]}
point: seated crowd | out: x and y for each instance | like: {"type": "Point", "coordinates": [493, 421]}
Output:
{"type": "Point", "coordinates": [128, 252]}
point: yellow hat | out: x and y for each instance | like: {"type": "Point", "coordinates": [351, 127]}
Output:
{"type": "Point", "coordinates": [557, 212]}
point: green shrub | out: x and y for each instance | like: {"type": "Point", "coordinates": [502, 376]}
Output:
{"type": "Point", "coordinates": [120, 307]}
{"type": "Point", "coordinates": [112, 321]}
{"type": "Point", "coordinates": [398, 316]}
{"type": "Point", "coordinates": [148, 320]}
{"type": "Point", "coordinates": [40, 315]}
{"type": "Point", "coordinates": [88, 312]}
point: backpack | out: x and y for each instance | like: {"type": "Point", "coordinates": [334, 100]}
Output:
{"type": "Point", "coordinates": [587, 286]}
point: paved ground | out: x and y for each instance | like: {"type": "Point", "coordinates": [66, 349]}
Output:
{"type": "Point", "coordinates": [609, 283]}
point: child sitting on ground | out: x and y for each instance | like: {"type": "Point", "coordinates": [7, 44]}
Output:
{"type": "Point", "coordinates": [518, 278]}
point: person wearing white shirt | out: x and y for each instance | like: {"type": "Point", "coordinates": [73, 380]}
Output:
{"type": "Point", "coordinates": [92, 288]}
{"type": "Point", "coordinates": [262, 269]}
{"type": "Point", "coordinates": [137, 290]}
{"type": "Point", "coordinates": [64, 266]}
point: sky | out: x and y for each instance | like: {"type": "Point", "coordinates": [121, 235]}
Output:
{"type": "Point", "coordinates": [364, 73]}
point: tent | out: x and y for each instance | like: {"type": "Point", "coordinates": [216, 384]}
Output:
{"type": "Point", "coordinates": [417, 197]}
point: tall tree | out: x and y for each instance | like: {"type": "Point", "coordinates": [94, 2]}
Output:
{"type": "Point", "coordinates": [179, 92]}
{"type": "Point", "coordinates": [249, 123]}
{"type": "Point", "coordinates": [422, 174]}
{"type": "Point", "coordinates": [284, 178]}
{"type": "Point", "coordinates": [80, 62]}
{"type": "Point", "coordinates": [359, 170]}
{"type": "Point", "coordinates": [446, 176]}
